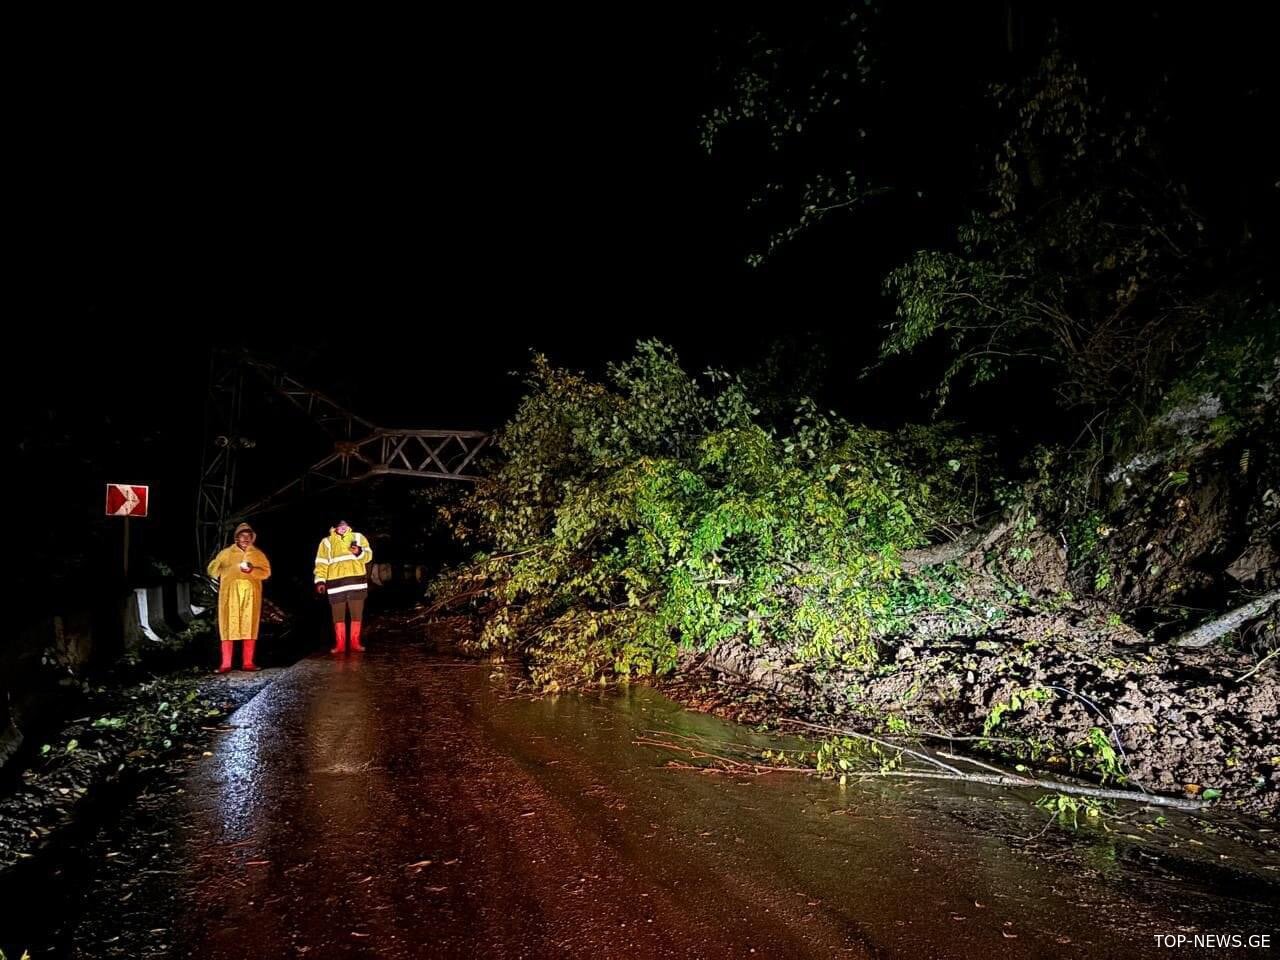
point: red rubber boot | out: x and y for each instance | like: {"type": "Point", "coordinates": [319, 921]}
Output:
{"type": "Point", "coordinates": [340, 638]}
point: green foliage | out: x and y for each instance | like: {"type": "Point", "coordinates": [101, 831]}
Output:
{"type": "Point", "coordinates": [792, 79]}
{"type": "Point", "coordinates": [1086, 550]}
{"type": "Point", "coordinates": [838, 757]}
{"type": "Point", "coordinates": [1067, 807]}
{"type": "Point", "coordinates": [154, 716]}
{"type": "Point", "coordinates": [655, 513]}
{"type": "Point", "coordinates": [1238, 369]}
{"type": "Point", "coordinates": [1081, 265]}
{"type": "Point", "coordinates": [1101, 283]}
{"type": "Point", "coordinates": [788, 70]}
{"type": "Point", "coordinates": [1017, 700]}
{"type": "Point", "coordinates": [1098, 753]}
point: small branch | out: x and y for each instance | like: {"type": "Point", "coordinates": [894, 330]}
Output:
{"type": "Point", "coordinates": [1052, 818]}
{"type": "Point", "coordinates": [1258, 666]}
{"type": "Point", "coordinates": [960, 758]}
{"type": "Point", "coordinates": [1177, 803]}
{"type": "Point", "coordinates": [729, 764]}
{"type": "Point", "coordinates": [948, 736]}
{"type": "Point", "coordinates": [997, 778]}
{"type": "Point", "coordinates": [934, 761]}
{"type": "Point", "coordinates": [516, 553]}
{"type": "Point", "coordinates": [736, 772]}
{"type": "Point", "coordinates": [1115, 734]}
{"type": "Point", "coordinates": [454, 598]}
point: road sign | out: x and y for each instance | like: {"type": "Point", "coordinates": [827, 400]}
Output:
{"type": "Point", "coordinates": [127, 500]}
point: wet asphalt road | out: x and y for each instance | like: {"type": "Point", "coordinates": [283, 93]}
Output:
{"type": "Point", "coordinates": [407, 804]}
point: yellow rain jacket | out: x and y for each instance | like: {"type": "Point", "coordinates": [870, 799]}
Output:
{"type": "Point", "coordinates": [338, 568]}
{"type": "Point", "coordinates": [239, 593]}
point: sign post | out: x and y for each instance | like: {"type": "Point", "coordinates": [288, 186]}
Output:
{"type": "Point", "coordinates": [127, 501]}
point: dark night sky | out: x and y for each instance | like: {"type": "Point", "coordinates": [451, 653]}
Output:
{"type": "Point", "coordinates": [431, 202]}
{"type": "Point", "coordinates": [427, 202]}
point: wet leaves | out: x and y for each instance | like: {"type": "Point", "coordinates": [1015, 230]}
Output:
{"type": "Point", "coordinates": [138, 731]}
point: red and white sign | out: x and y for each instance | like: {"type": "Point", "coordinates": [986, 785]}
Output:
{"type": "Point", "coordinates": [124, 500]}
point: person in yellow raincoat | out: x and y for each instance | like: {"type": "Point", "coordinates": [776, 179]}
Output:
{"type": "Point", "coordinates": [342, 559]}
{"type": "Point", "coordinates": [240, 570]}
